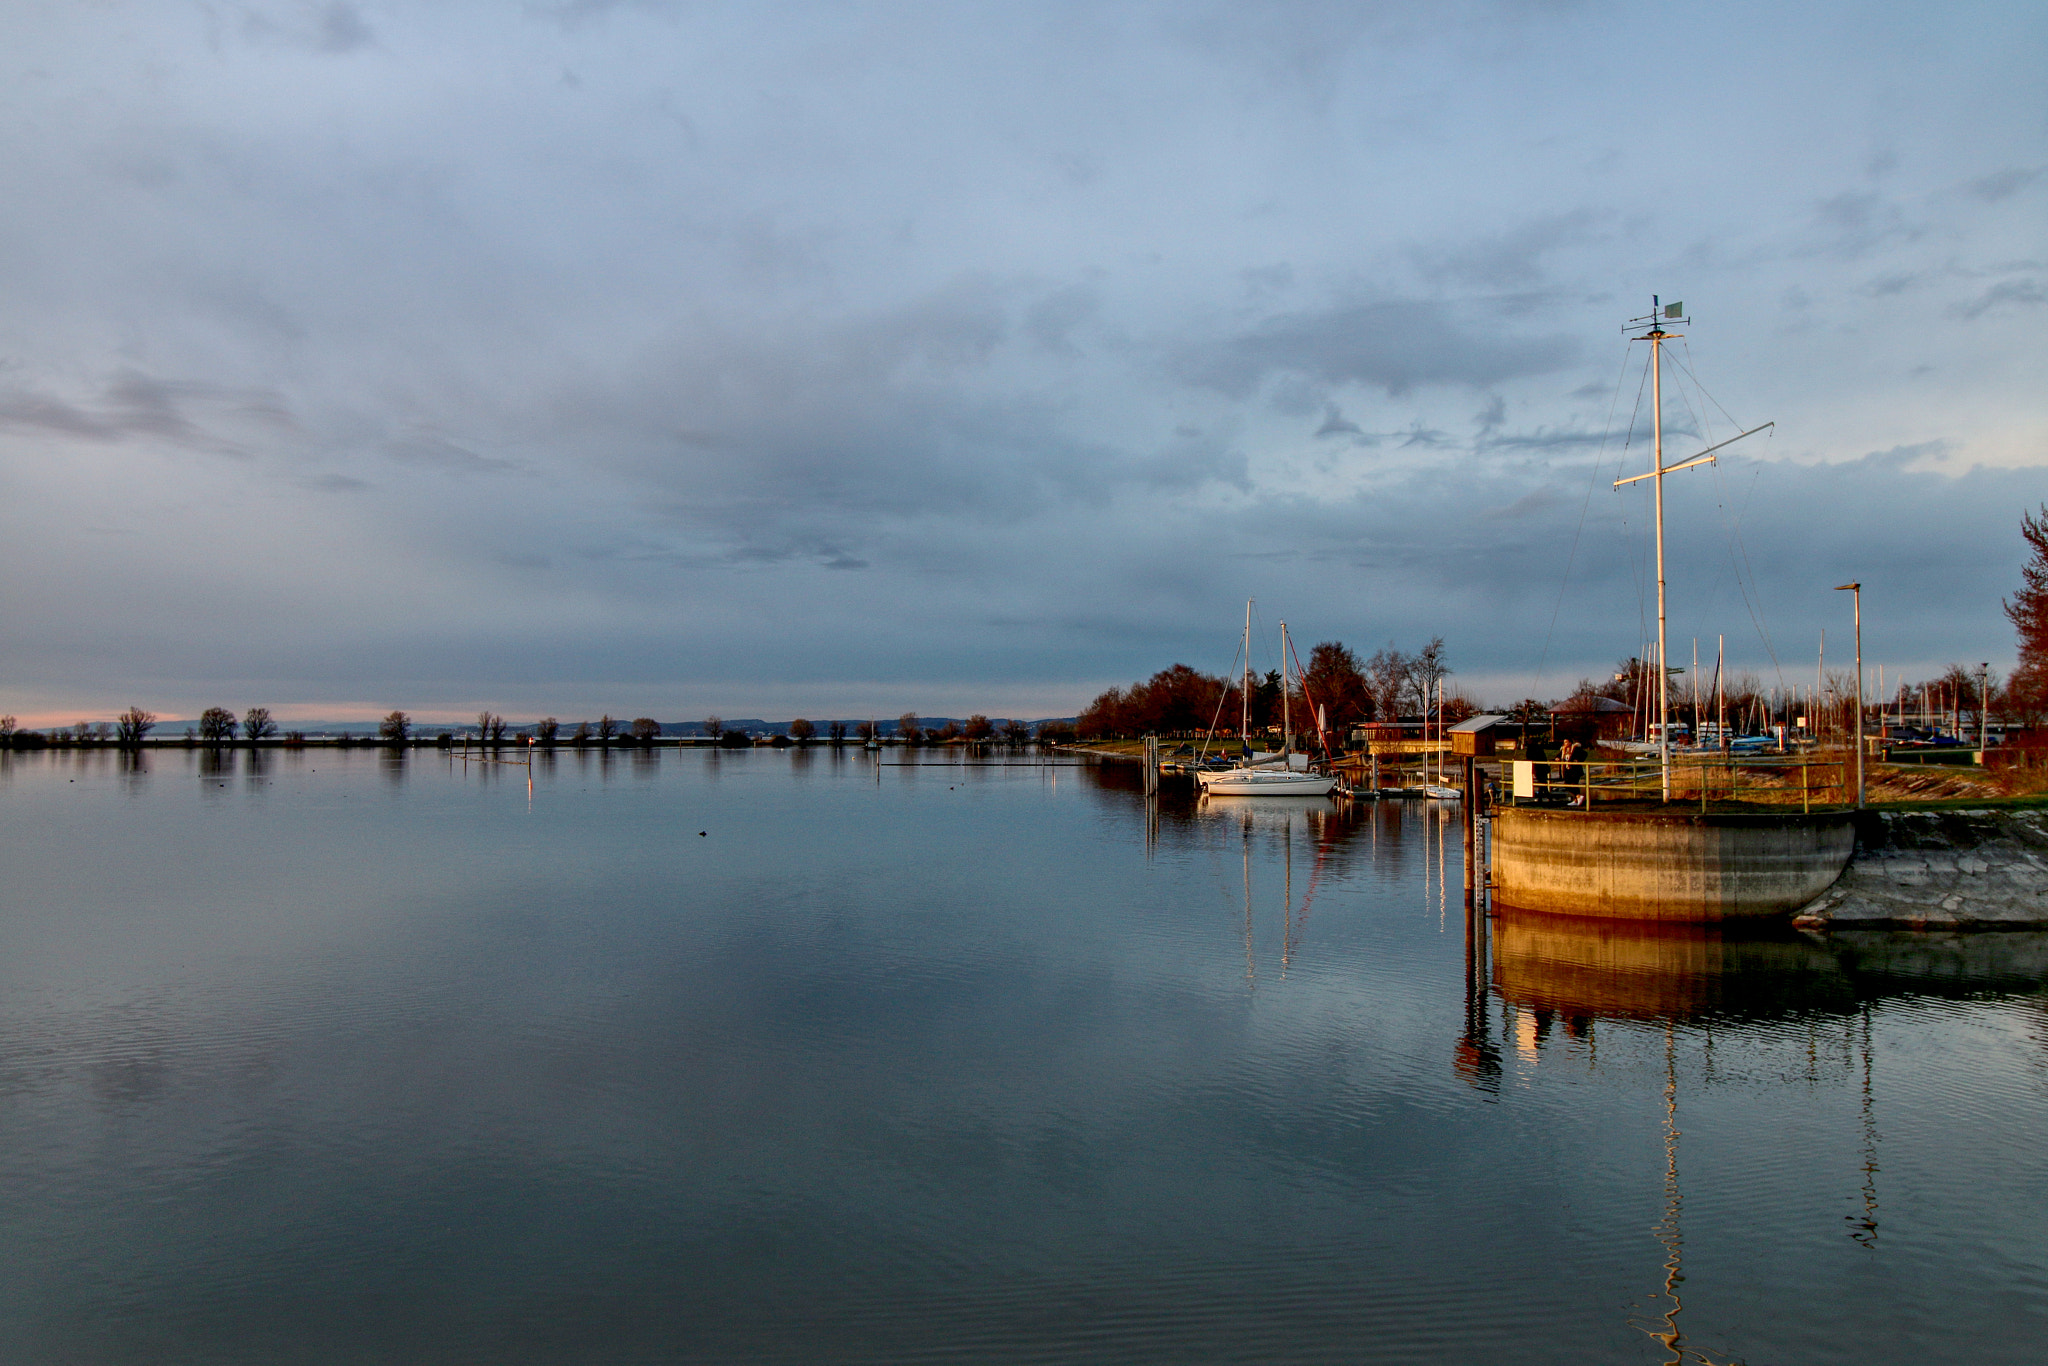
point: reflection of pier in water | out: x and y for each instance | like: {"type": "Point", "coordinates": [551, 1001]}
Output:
{"type": "Point", "coordinates": [1540, 972]}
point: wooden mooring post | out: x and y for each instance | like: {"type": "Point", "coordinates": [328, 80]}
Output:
{"type": "Point", "coordinates": [1470, 807]}
{"type": "Point", "coordinates": [1151, 765]}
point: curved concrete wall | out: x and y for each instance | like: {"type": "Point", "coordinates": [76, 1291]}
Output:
{"type": "Point", "coordinates": [1666, 866]}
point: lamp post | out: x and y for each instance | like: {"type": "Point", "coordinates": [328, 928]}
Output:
{"type": "Point", "coordinates": [1856, 591]}
{"type": "Point", "coordinates": [1983, 709]}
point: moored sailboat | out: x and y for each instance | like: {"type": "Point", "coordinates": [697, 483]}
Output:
{"type": "Point", "coordinates": [1265, 775]}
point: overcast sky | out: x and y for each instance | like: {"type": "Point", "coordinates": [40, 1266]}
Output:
{"type": "Point", "coordinates": [837, 359]}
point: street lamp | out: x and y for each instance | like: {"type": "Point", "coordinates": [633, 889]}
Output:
{"type": "Point", "coordinates": [1856, 590]}
{"type": "Point", "coordinates": [1983, 709]}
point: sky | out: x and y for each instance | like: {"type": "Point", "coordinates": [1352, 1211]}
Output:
{"type": "Point", "coordinates": [835, 360]}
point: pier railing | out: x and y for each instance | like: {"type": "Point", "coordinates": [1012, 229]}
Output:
{"type": "Point", "coordinates": [1815, 780]}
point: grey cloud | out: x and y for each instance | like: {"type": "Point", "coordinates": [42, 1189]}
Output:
{"type": "Point", "coordinates": [2003, 184]}
{"type": "Point", "coordinates": [1051, 320]}
{"type": "Point", "coordinates": [1336, 424]}
{"type": "Point", "coordinates": [1541, 500]}
{"type": "Point", "coordinates": [132, 404]}
{"type": "Point", "coordinates": [432, 450]}
{"type": "Point", "coordinates": [336, 27]}
{"type": "Point", "coordinates": [337, 483]}
{"type": "Point", "coordinates": [1856, 222]}
{"type": "Point", "coordinates": [1543, 439]}
{"type": "Point", "coordinates": [1511, 259]}
{"type": "Point", "coordinates": [1893, 282]}
{"type": "Point", "coordinates": [1395, 345]}
{"type": "Point", "coordinates": [2013, 293]}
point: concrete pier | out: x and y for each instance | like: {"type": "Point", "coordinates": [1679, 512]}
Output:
{"type": "Point", "coordinates": [1669, 865]}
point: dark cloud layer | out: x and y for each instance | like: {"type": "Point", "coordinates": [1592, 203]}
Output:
{"type": "Point", "coordinates": [666, 357]}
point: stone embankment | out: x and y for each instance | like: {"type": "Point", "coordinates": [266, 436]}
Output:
{"type": "Point", "coordinates": [1940, 870]}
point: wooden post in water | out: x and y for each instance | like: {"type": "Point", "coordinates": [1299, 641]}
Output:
{"type": "Point", "coordinates": [1471, 822]}
{"type": "Point", "coordinates": [1151, 765]}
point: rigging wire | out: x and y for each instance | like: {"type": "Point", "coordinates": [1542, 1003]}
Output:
{"type": "Point", "coordinates": [1738, 549]}
{"type": "Point", "coordinates": [1606, 430]}
{"type": "Point", "coordinates": [1637, 559]}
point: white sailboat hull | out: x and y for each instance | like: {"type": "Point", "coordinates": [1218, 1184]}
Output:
{"type": "Point", "coordinates": [1266, 782]}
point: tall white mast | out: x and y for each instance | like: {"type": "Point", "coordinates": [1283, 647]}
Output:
{"type": "Point", "coordinates": [1660, 312]}
{"type": "Point", "coordinates": [1244, 694]}
{"type": "Point", "coordinates": [1286, 715]}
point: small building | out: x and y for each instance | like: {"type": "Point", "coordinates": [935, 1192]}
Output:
{"type": "Point", "coordinates": [1484, 734]}
{"type": "Point", "coordinates": [1399, 728]}
{"type": "Point", "coordinates": [1595, 718]}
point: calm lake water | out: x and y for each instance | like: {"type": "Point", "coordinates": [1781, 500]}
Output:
{"type": "Point", "coordinates": [357, 1057]}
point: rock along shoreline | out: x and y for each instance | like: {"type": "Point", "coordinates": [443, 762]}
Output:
{"type": "Point", "coordinates": [1940, 870]}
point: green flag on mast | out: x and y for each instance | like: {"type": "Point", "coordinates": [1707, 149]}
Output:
{"type": "Point", "coordinates": [1674, 310]}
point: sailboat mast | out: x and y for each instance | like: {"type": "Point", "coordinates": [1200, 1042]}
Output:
{"type": "Point", "coordinates": [1657, 466]}
{"type": "Point", "coordinates": [1286, 715]}
{"type": "Point", "coordinates": [1244, 694]}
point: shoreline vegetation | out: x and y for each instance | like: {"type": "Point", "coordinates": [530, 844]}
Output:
{"type": "Point", "coordinates": [217, 728]}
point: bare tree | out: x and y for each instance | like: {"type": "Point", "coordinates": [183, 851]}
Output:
{"type": "Point", "coordinates": [837, 731]}
{"type": "Point", "coordinates": [484, 721]}
{"type": "Point", "coordinates": [864, 731]}
{"type": "Point", "coordinates": [1387, 674]}
{"type": "Point", "coordinates": [979, 727]}
{"type": "Point", "coordinates": [257, 725]}
{"type": "Point", "coordinates": [906, 728]}
{"type": "Point", "coordinates": [801, 730]}
{"type": "Point", "coordinates": [81, 731]}
{"type": "Point", "coordinates": [216, 724]}
{"type": "Point", "coordinates": [497, 730]}
{"type": "Point", "coordinates": [1015, 732]}
{"type": "Point", "coordinates": [581, 735]}
{"type": "Point", "coordinates": [645, 728]}
{"type": "Point", "coordinates": [607, 727]}
{"type": "Point", "coordinates": [133, 724]}
{"type": "Point", "coordinates": [7, 727]}
{"type": "Point", "coordinates": [395, 727]}
{"type": "Point", "coordinates": [546, 729]}
{"type": "Point", "coordinates": [1426, 669]}
{"type": "Point", "coordinates": [714, 726]}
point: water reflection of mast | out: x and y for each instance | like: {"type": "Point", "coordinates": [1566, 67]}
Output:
{"type": "Point", "coordinates": [1865, 1231]}
{"type": "Point", "coordinates": [1477, 1058]}
{"type": "Point", "coordinates": [1668, 1231]}
{"type": "Point", "coordinates": [1287, 896]}
{"type": "Point", "coordinates": [1249, 973]}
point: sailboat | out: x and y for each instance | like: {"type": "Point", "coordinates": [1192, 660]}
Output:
{"type": "Point", "coordinates": [1265, 775]}
{"type": "Point", "coordinates": [1437, 789]}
